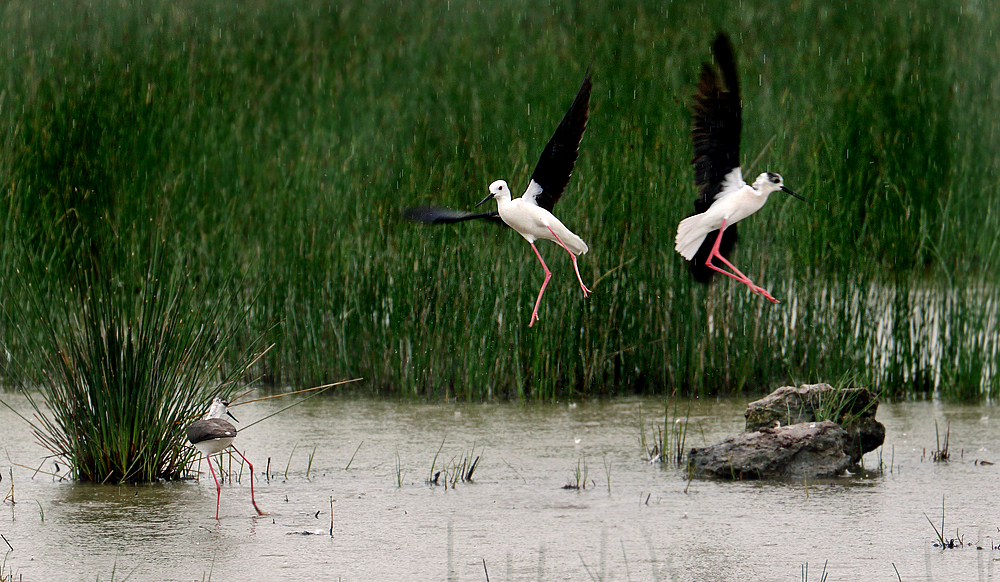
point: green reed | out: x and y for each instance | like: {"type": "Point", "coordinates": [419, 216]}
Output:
{"type": "Point", "coordinates": [278, 145]}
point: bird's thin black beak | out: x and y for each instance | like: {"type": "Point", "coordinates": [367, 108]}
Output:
{"type": "Point", "coordinates": [231, 416]}
{"type": "Point", "coordinates": [484, 200]}
{"type": "Point", "coordinates": [793, 193]}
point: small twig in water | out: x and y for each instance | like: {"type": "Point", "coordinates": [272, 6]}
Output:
{"type": "Point", "coordinates": [939, 533]}
{"type": "Point", "coordinates": [607, 470]}
{"type": "Point", "coordinates": [511, 467]}
{"type": "Point", "coordinates": [472, 469]}
{"type": "Point", "coordinates": [310, 463]}
{"type": "Point", "coordinates": [37, 470]}
{"type": "Point", "coordinates": [628, 575]}
{"type": "Point", "coordinates": [399, 470]}
{"type": "Point", "coordinates": [434, 476]}
{"type": "Point", "coordinates": [354, 455]}
{"type": "Point", "coordinates": [822, 576]}
{"type": "Point", "coordinates": [585, 567]}
{"type": "Point", "coordinates": [290, 459]}
{"type": "Point", "coordinates": [10, 494]}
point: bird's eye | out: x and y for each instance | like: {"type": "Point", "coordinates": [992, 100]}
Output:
{"type": "Point", "coordinates": [775, 179]}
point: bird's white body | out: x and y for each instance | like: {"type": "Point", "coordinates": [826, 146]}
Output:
{"type": "Point", "coordinates": [213, 446]}
{"type": "Point", "coordinates": [531, 220]}
{"type": "Point", "coordinates": [734, 202]}
{"type": "Point", "coordinates": [534, 222]}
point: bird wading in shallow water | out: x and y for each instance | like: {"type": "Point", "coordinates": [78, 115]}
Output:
{"type": "Point", "coordinates": [723, 197]}
{"type": "Point", "coordinates": [531, 214]}
{"type": "Point", "coordinates": [214, 434]}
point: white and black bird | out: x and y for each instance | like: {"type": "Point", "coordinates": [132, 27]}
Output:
{"type": "Point", "coordinates": [723, 197]}
{"type": "Point", "coordinates": [531, 214]}
{"type": "Point", "coordinates": [214, 434]}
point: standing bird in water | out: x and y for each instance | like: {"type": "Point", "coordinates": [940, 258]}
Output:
{"type": "Point", "coordinates": [531, 214]}
{"type": "Point", "coordinates": [214, 434]}
{"type": "Point", "coordinates": [723, 197]}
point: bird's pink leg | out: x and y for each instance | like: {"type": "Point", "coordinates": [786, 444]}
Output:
{"type": "Point", "coordinates": [739, 276]}
{"type": "Point", "coordinates": [714, 252]}
{"type": "Point", "coordinates": [572, 256]}
{"type": "Point", "coordinates": [218, 488]}
{"type": "Point", "coordinates": [548, 275]}
{"type": "Point", "coordinates": [252, 500]}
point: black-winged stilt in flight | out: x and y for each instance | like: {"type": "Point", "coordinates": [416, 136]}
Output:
{"type": "Point", "coordinates": [213, 434]}
{"type": "Point", "coordinates": [723, 197]}
{"type": "Point", "coordinates": [531, 214]}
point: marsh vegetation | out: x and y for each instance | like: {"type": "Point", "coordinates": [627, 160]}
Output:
{"type": "Point", "coordinates": [276, 146]}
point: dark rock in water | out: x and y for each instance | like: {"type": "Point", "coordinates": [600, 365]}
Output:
{"type": "Point", "coordinates": [812, 431]}
{"type": "Point", "coordinates": [854, 409]}
{"type": "Point", "coordinates": [805, 450]}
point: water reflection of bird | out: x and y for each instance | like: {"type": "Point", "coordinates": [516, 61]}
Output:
{"type": "Point", "coordinates": [213, 434]}
{"type": "Point", "coordinates": [723, 197]}
{"type": "Point", "coordinates": [531, 214]}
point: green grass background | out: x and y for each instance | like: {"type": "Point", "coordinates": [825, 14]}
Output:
{"type": "Point", "coordinates": [277, 143]}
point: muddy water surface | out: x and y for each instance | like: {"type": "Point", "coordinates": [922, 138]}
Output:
{"type": "Point", "coordinates": [649, 523]}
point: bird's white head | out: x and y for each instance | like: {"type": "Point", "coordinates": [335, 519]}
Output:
{"type": "Point", "coordinates": [498, 190]}
{"type": "Point", "coordinates": [219, 408]}
{"type": "Point", "coordinates": [769, 182]}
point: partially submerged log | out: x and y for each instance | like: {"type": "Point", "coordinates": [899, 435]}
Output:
{"type": "Point", "coordinates": [785, 439]}
{"type": "Point", "coordinates": [804, 450]}
{"type": "Point", "coordinates": [855, 410]}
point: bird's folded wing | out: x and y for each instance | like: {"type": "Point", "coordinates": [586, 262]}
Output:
{"type": "Point", "coordinates": [210, 428]}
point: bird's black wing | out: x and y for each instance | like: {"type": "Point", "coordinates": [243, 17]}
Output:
{"type": "Point", "coordinates": [210, 428]}
{"type": "Point", "coordinates": [717, 121]}
{"type": "Point", "coordinates": [437, 215]}
{"type": "Point", "coordinates": [556, 162]}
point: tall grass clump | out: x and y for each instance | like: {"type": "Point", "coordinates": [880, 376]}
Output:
{"type": "Point", "coordinates": [667, 442]}
{"type": "Point", "coordinates": [278, 144]}
{"type": "Point", "coordinates": [844, 403]}
{"type": "Point", "coordinates": [123, 363]}
{"type": "Point", "coordinates": [941, 453]}
{"type": "Point", "coordinates": [459, 468]}
{"type": "Point", "coordinates": [580, 476]}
